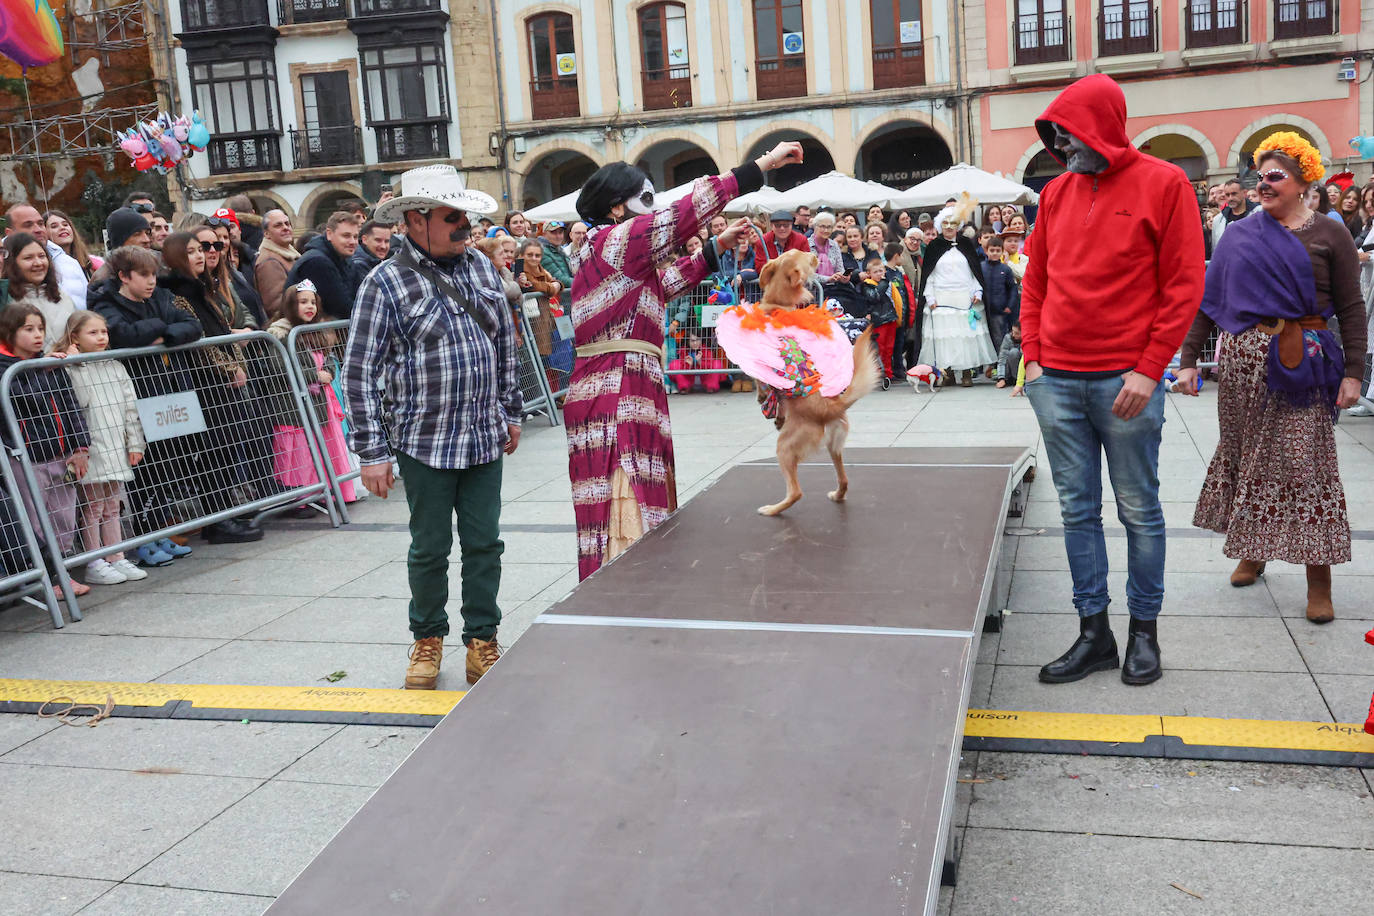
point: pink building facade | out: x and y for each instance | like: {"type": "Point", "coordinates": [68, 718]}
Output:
{"type": "Point", "coordinates": [1205, 80]}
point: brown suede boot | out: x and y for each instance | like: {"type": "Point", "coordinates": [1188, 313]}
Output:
{"type": "Point", "coordinates": [425, 658]}
{"type": "Point", "coordinates": [482, 654]}
{"type": "Point", "coordinates": [1319, 609]}
{"type": "Point", "coordinates": [1247, 573]}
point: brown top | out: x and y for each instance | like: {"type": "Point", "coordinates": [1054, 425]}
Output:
{"type": "Point", "coordinates": [1336, 267]}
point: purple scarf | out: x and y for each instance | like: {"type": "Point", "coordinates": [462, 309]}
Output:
{"type": "Point", "coordinates": [1260, 271]}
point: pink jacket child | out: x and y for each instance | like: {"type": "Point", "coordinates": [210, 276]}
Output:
{"type": "Point", "coordinates": [693, 355]}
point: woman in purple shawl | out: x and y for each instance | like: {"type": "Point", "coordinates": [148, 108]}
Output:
{"type": "Point", "coordinates": [1275, 281]}
{"type": "Point", "coordinates": [620, 446]}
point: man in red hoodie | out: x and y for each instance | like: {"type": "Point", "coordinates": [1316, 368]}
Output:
{"type": "Point", "coordinates": [1115, 277]}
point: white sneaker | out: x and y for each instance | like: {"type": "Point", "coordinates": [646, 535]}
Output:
{"type": "Point", "coordinates": [100, 572]}
{"type": "Point", "coordinates": [1359, 410]}
{"type": "Point", "coordinates": [128, 570]}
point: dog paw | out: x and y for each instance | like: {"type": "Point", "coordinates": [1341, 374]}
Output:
{"type": "Point", "coordinates": [769, 510]}
{"type": "Point", "coordinates": [836, 496]}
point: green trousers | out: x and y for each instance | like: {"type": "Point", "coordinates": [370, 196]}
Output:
{"type": "Point", "coordinates": [436, 497]}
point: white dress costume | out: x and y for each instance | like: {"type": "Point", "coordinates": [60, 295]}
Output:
{"type": "Point", "coordinates": [955, 335]}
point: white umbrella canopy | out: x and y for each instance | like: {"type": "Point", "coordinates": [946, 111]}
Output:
{"type": "Point", "coordinates": [764, 200]}
{"type": "Point", "coordinates": [984, 187]}
{"type": "Point", "coordinates": [565, 208]}
{"type": "Point", "coordinates": [838, 191]}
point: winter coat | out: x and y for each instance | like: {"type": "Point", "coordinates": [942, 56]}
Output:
{"type": "Point", "coordinates": [109, 405]}
{"type": "Point", "coordinates": [55, 314]}
{"type": "Point", "coordinates": [1116, 270]}
{"type": "Point", "coordinates": [216, 320]}
{"type": "Point", "coordinates": [330, 273]}
{"type": "Point", "coordinates": [767, 248]}
{"type": "Point", "coordinates": [1008, 356]}
{"type": "Point", "coordinates": [50, 420]}
{"type": "Point", "coordinates": [556, 263]}
{"type": "Point", "coordinates": [271, 268]}
{"type": "Point", "coordinates": [361, 264]}
{"type": "Point", "coordinates": [1002, 296]}
{"type": "Point", "coordinates": [875, 301]}
{"type": "Point", "coordinates": [542, 282]}
{"type": "Point", "coordinates": [138, 324]}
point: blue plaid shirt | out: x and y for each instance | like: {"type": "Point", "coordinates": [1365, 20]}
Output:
{"type": "Point", "coordinates": [450, 388]}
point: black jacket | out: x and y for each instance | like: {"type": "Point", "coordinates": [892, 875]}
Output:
{"type": "Point", "coordinates": [138, 324]}
{"type": "Point", "coordinates": [334, 280]}
{"type": "Point", "coordinates": [1002, 295]}
{"type": "Point", "coordinates": [49, 417]}
{"type": "Point", "coordinates": [361, 265]}
{"type": "Point", "coordinates": [875, 302]}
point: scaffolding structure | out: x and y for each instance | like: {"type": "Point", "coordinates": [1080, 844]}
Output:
{"type": "Point", "coordinates": [114, 28]}
{"type": "Point", "coordinates": [32, 134]}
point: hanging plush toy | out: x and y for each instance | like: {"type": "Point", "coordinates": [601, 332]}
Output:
{"type": "Point", "coordinates": [29, 32]}
{"type": "Point", "coordinates": [198, 135]}
{"type": "Point", "coordinates": [133, 143]}
{"type": "Point", "coordinates": [721, 295]}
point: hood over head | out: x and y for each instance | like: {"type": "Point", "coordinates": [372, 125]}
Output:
{"type": "Point", "coordinates": [1093, 109]}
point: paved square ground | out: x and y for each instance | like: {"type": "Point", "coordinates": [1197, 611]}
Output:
{"type": "Point", "coordinates": [141, 816]}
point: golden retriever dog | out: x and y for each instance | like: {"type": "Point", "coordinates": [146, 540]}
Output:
{"type": "Point", "coordinates": [804, 423]}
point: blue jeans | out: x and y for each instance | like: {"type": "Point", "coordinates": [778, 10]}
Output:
{"type": "Point", "coordinates": [1076, 419]}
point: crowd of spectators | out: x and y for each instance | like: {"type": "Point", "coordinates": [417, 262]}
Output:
{"type": "Point", "coordinates": [228, 273]}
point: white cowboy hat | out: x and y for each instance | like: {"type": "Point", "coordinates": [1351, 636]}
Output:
{"type": "Point", "coordinates": [433, 186]}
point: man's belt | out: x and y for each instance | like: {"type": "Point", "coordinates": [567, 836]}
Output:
{"type": "Point", "coordinates": [630, 345]}
{"type": "Point", "coordinates": [1289, 332]}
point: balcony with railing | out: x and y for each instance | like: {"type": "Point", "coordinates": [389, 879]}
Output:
{"type": "Point", "coordinates": [782, 77]}
{"type": "Point", "coordinates": [258, 152]}
{"type": "Point", "coordinates": [898, 65]}
{"type": "Point", "coordinates": [320, 147]}
{"type": "Point", "coordinates": [1127, 28]}
{"type": "Point", "coordinates": [1043, 38]}
{"type": "Point", "coordinates": [1304, 18]}
{"type": "Point", "coordinates": [1216, 23]}
{"type": "Point", "coordinates": [389, 7]}
{"type": "Point", "coordinates": [296, 12]}
{"type": "Point", "coordinates": [670, 87]}
{"type": "Point", "coordinates": [397, 142]}
{"type": "Point", "coordinates": [555, 97]}
{"type": "Point", "coordinates": [223, 14]}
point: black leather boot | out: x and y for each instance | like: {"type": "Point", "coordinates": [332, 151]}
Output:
{"type": "Point", "coordinates": [1094, 650]}
{"type": "Point", "coordinates": [1142, 654]}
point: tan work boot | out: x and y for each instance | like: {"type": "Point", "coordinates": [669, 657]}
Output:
{"type": "Point", "coordinates": [425, 657]}
{"type": "Point", "coordinates": [1319, 609]}
{"type": "Point", "coordinates": [1247, 573]}
{"type": "Point", "coordinates": [481, 656]}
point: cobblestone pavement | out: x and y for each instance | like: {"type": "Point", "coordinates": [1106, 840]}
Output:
{"type": "Point", "coordinates": [141, 816]}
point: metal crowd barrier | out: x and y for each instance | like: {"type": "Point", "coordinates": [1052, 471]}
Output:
{"type": "Point", "coordinates": [227, 431]}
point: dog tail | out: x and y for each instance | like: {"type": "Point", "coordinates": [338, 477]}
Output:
{"type": "Point", "coordinates": [867, 372]}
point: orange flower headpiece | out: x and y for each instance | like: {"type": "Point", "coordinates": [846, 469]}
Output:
{"type": "Point", "coordinates": [1292, 144]}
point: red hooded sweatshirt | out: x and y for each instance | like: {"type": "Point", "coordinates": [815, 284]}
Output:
{"type": "Point", "coordinates": [1116, 270]}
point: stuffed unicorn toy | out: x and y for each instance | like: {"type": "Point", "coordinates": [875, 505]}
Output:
{"type": "Point", "coordinates": [198, 135]}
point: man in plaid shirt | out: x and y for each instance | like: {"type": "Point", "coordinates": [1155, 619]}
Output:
{"type": "Point", "coordinates": [431, 326]}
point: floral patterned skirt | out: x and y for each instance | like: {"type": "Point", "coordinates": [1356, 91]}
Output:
{"type": "Point", "coordinates": [1273, 487]}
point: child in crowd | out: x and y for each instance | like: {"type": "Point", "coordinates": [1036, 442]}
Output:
{"type": "Point", "coordinates": [1009, 355]}
{"type": "Point", "coordinates": [1012, 256]}
{"type": "Point", "coordinates": [319, 356]}
{"type": "Point", "coordinates": [697, 355]}
{"type": "Point", "coordinates": [903, 295]}
{"type": "Point", "coordinates": [533, 278]}
{"type": "Point", "coordinates": [51, 424]}
{"type": "Point", "coordinates": [877, 303]}
{"type": "Point", "coordinates": [1003, 300]}
{"type": "Point", "coordinates": [139, 314]}
{"type": "Point", "coordinates": [109, 406]}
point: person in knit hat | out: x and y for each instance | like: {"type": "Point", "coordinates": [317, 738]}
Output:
{"type": "Point", "coordinates": [125, 226]}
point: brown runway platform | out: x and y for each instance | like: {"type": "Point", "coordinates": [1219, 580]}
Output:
{"type": "Point", "coordinates": [739, 715]}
